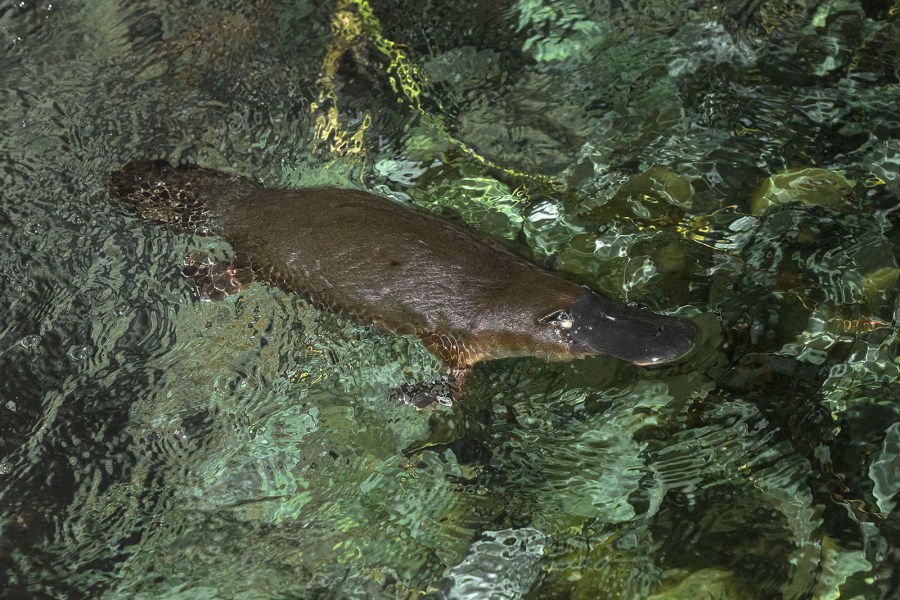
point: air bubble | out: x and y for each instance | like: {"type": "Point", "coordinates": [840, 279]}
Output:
{"type": "Point", "coordinates": [29, 342]}
{"type": "Point", "coordinates": [80, 353]}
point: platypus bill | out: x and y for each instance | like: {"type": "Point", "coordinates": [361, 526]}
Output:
{"type": "Point", "coordinates": [468, 298]}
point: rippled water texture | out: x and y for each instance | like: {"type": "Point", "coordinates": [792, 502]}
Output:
{"type": "Point", "coordinates": [737, 163]}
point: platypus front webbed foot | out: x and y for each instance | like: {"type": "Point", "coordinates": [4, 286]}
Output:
{"type": "Point", "coordinates": [426, 393]}
{"type": "Point", "coordinates": [215, 280]}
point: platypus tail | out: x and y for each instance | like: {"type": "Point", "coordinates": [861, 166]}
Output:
{"type": "Point", "coordinates": [178, 197]}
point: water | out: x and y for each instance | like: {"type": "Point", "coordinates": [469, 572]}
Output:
{"type": "Point", "coordinates": [734, 163]}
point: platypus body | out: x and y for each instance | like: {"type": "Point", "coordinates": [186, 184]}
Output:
{"type": "Point", "coordinates": [468, 298]}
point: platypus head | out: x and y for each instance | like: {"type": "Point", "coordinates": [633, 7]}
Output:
{"type": "Point", "coordinates": [601, 326]}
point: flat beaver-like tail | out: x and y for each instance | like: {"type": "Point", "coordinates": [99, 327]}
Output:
{"type": "Point", "coordinates": [172, 196]}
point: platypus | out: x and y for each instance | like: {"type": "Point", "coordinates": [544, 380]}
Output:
{"type": "Point", "coordinates": [467, 297]}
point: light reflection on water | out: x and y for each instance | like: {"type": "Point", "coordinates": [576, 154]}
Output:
{"type": "Point", "coordinates": [155, 446]}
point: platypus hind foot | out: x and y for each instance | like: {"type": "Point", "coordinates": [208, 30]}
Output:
{"type": "Point", "coordinates": [425, 393]}
{"type": "Point", "coordinates": [215, 280]}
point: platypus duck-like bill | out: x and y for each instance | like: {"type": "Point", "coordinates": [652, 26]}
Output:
{"type": "Point", "coordinates": [601, 326]}
{"type": "Point", "coordinates": [466, 296]}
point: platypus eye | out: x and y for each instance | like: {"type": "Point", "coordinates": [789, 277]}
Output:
{"type": "Point", "coordinates": [560, 318]}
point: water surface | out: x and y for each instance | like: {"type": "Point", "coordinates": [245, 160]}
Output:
{"type": "Point", "coordinates": [736, 163]}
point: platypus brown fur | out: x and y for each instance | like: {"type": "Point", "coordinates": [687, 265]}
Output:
{"type": "Point", "coordinates": [467, 297]}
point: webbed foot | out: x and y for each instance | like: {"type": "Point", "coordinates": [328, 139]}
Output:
{"type": "Point", "coordinates": [215, 280]}
{"type": "Point", "coordinates": [425, 393]}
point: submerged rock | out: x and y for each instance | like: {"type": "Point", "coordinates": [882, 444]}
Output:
{"type": "Point", "coordinates": [811, 186]}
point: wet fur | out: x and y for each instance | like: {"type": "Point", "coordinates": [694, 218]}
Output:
{"type": "Point", "coordinates": [465, 296]}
